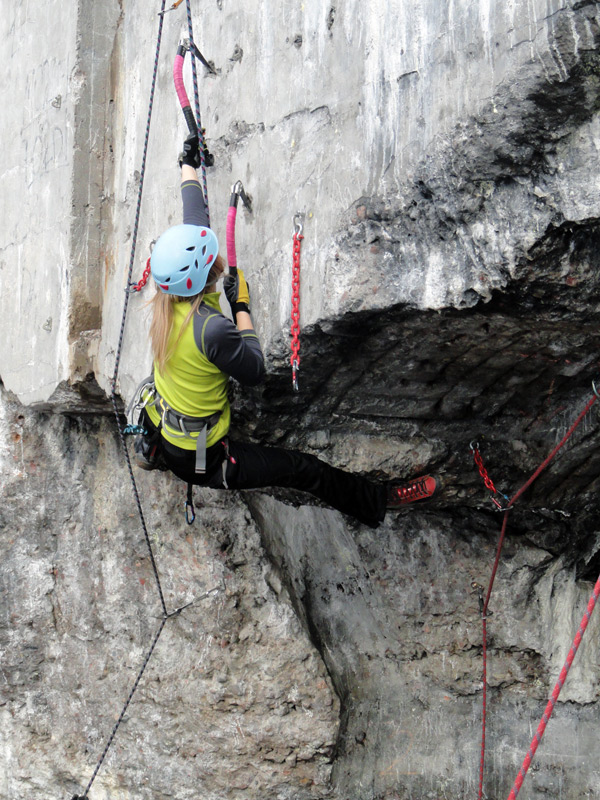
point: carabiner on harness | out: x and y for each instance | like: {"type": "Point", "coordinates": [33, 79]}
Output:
{"type": "Point", "coordinates": [190, 513]}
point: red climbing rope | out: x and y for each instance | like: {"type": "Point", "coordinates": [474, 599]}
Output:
{"type": "Point", "coordinates": [295, 329]}
{"type": "Point", "coordinates": [484, 614]}
{"type": "Point", "coordinates": [554, 697]}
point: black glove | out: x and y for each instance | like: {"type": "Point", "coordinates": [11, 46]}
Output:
{"type": "Point", "coordinates": [191, 152]}
{"type": "Point", "coordinates": [237, 292]}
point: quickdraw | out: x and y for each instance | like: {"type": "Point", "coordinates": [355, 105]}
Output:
{"type": "Point", "coordinates": [486, 478]}
{"type": "Point", "coordinates": [295, 329]}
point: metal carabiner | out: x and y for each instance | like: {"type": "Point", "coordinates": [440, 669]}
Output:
{"type": "Point", "coordinates": [237, 191]}
{"type": "Point", "coordinates": [190, 513]}
{"type": "Point", "coordinates": [175, 5]}
{"type": "Point", "coordinates": [295, 368]}
{"type": "Point", "coordinates": [595, 390]}
{"type": "Point", "coordinates": [298, 226]}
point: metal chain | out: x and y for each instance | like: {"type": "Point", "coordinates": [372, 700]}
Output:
{"type": "Point", "coordinates": [137, 287]}
{"type": "Point", "coordinates": [295, 329]}
{"type": "Point", "coordinates": [201, 140]}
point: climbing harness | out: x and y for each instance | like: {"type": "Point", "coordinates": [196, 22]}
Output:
{"type": "Point", "coordinates": [179, 426]}
{"type": "Point", "coordinates": [127, 429]}
{"type": "Point", "coordinates": [295, 328]}
{"type": "Point", "coordinates": [237, 191]}
{"type": "Point", "coordinates": [486, 613]}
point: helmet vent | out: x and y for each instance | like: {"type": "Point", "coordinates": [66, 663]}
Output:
{"type": "Point", "coordinates": [204, 250]}
{"type": "Point", "coordinates": [191, 249]}
{"type": "Point", "coordinates": [185, 269]}
{"type": "Point", "coordinates": [196, 264]}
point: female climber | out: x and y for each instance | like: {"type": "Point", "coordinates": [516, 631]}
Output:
{"type": "Point", "coordinates": [196, 349]}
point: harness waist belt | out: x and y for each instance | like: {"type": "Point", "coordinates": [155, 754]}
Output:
{"type": "Point", "coordinates": [187, 426]}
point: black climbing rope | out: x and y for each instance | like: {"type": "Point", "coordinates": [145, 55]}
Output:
{"type": "Point", "coordinates": [123, 712]}
{"type": "Point", "coordinates": [115, 404]}
{"type": "Point", "coordinates": [128, 429]}
{"type": "Point", "coordinates": [114, 397]}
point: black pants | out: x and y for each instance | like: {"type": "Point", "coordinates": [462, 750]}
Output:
{"type": "Point", "coordinates": [252, 466]}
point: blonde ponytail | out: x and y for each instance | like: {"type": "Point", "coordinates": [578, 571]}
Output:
{"type": "Point", "coordinates": [162, 317]}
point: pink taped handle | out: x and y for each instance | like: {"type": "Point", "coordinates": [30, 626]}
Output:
{"type": "Point", "coordinates": [231, 254]}
{"type": "Point", "coordinates": [178, 80]}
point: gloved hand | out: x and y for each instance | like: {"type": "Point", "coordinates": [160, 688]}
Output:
{"type": "Point", "coordinates": [191, 152]}
{"type": "Point", "coordinates": [237, 292]}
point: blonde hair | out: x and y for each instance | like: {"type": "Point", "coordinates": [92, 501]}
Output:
{"type": "Point", "coordinates": [162, 316]}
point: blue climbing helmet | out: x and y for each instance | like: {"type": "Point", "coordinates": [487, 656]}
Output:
{"type": "Point", "coordinates": [182, 258]}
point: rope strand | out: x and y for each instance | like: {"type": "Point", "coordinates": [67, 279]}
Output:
{"type": "Point", "coordinates": [485, 606]}
{"type": "Point", "coordinates": [114, 397]}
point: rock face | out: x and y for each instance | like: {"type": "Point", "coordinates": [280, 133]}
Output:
{"type": "Point", "coordinates": [444, 158]}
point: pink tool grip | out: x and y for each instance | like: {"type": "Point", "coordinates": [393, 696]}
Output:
{"type": "Point", "coordinates": [231, 255]}
{"type": "Point", "coordinates": [178, 80]}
